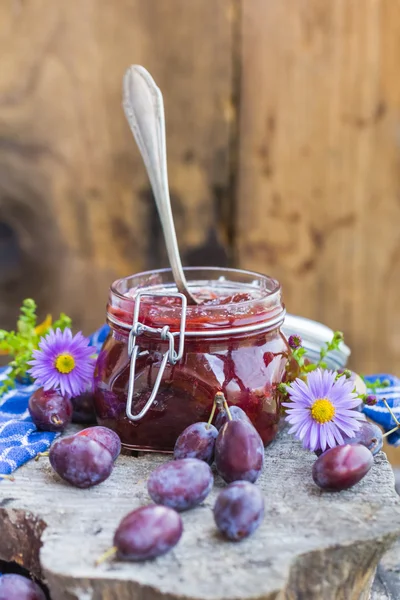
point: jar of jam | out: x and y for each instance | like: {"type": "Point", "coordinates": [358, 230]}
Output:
{"type": "Point", "coordinates": [163, 362]}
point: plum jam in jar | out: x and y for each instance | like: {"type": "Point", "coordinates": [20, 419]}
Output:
{"type": "Point", "coordinates": [163, 362]}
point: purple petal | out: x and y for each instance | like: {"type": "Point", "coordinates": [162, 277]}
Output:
{"type": "Point", "coordinates": [314, 436]}
{"type": "Point", "coordinates": [330, 438]}
{"type": "Point", "coordinates": [353, 414]}
{"type": "Point", "coordinates": [337, 434]}
{"type": "Point", "coordinates": [314, 384]}
{"type": "Point", "coordinates": [344, 425]}
{"type": "Point", "coordinates": [299, 391]}
{"type": "Point", "coordinates": [322, 437]}
{"type": "Point", "coordinates": [304, 429]}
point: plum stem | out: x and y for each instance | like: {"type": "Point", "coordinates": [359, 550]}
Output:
{"type": "Point", "coordinates": [228, 412]}
{"type": "Point", "coordinates": [391, 431]}
{"type": "Point", "coordinates": [9, 477]}
{"type": "Point", "coordinates": [395, 419]}
{"type": "Point", "coordinates": [107, 554]}
{"type": "Point", "coordinates": [219, 400]}
{"type": "Point", "coordinates": [212, 415]}
{"type": "Point", "coordinates": [222, 404]}
{"type": "Point", "coordinates": [54, 419]}
{"type": "Point", "coordinates": [39, 454]}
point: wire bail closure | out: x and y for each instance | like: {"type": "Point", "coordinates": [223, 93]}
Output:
{"type": "Point", "coordinates": [171, 355]}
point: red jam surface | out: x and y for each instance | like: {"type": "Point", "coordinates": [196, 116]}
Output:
{"type": "Point", "coordinates": [247, 367]}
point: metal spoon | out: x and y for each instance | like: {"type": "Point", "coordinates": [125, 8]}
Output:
{"type": "Point", "coordinates": [144, 109]}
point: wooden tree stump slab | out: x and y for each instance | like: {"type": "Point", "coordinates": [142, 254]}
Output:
{"type": "Point", "coordinates": [311, 545]}
{"type": "Point", "coordinates": [387, 581]}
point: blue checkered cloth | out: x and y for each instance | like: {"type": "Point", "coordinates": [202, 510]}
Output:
{"type": "Point", "coordinates": [379, 413]}
{"type": "Point", "coordinates": [21, 441]}
{"type": "Point", "coordinates": [19, 438]}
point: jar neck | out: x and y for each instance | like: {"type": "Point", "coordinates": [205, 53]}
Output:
{"type": "Point", "coordinates": [251, 303]}
{"type": "Point", "coordinates": [197, 325]}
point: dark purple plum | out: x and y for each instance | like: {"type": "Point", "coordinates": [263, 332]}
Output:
{"type": "Point", "coordinates": [104, 436]}
{"type": "Point", "coordinates": [17, 587]}
{"type": "Point", "coordinates": [147, 533]}
{"type": "Point", "coordinates": [81, 461]}
{"type": "Point", "coordinates": [239, 452]}
{"type": "Point", "coordinates": [50, 411]}
{"type": "Point", "coordinates": [369, 435]}
{"type": "Point", "coordinates": [239, 510]}
{"type": "Point", "coordinates": [83, 407]}
{"type": "Point", "coordinates": [197, 441]}
{"type": "Point", "coordinates": [237, 414]}
{"type": "Point", "coordinates": [180, 484]}
{"type": "Point", "coordinates": [342, 467]}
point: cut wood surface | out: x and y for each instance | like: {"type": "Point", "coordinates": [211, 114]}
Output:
{"type": "Point", "coordinates": [386, 585]}
{"type": "Point", "coordinates": [311, 545]}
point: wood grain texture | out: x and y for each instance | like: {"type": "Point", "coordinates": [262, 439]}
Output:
{"type": "Point", "coordinates": [387, 581]}
{"type": "Point", "coordinates": [319, 182]}
{"type": "Point", "coordinates": [310, 545]}
{"type": "Point", "coordinates": [75, 204]}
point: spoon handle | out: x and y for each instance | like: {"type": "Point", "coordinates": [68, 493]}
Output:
{"type": "Point", "coordinates": [144, 109]}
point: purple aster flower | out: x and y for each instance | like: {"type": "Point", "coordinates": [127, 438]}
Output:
{"type": "Point", "coordinates": [322, 409]}
{"type": "Point", "coordinates": [63, 362]}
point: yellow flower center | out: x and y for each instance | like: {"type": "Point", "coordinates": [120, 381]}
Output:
{"type": "Point", "coordinates": [322, 410]}
{"type": "Point", "coordinates": [65, 363]}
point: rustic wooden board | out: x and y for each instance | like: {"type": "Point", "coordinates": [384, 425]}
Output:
{"type": "Point", "coordinates": [75, 204]}
{"type": "Point", "coordinates": [318, 195]}
{"type": "Point", "coordinates": [311, 545]}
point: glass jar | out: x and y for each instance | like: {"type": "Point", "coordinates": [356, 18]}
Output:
{"type": "Point", "coordinates": [231, 342]}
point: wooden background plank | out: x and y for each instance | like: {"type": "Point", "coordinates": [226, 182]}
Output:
{"type": "Point", "coordinates": [319, 181]}
{"type": "Point", "coordinates": [75, 204]}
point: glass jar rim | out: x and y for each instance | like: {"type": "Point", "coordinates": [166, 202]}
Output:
{"type": "Point", "coordinates": [263, 310]}
{"type": "Point", "coordinates": [207, 307]}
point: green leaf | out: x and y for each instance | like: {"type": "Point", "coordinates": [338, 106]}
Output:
{"type": "Point", "coordinates": [63, 322]}
{"type": "Point", "coordinates": [374, 385]}
{"type": "Point", "coordinates": [7, 385]}
{"type": "Point", "coordinates": [283, 387]}
{"type": "Point", "coordinates": [299, 355]}
{"type": "Point", "coordinates": [331, 346]}
{"type": "Point", "coordinates": [27, 319]}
